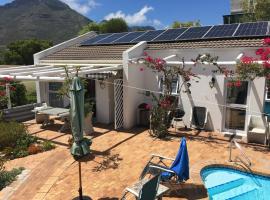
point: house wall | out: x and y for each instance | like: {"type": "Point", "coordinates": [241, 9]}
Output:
{"type": "Point", "coordinates": [201, 93]}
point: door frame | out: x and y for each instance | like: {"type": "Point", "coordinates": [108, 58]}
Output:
{"type": "Point", "coordinates": [247, 107]}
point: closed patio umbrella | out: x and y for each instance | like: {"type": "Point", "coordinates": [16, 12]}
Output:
{"type": "Point", "coordinates": [80, 147]}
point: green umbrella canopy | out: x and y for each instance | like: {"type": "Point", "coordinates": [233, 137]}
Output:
{"type": "Point", "coordinates": [80, 146]}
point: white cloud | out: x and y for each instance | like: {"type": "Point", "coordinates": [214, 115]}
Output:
{"type": "Point", "coordinates": [82, 6]}
{"type": "Point", "coordinates": [137, 18]}
{"type": "Point", "coordinates": [156, 22]}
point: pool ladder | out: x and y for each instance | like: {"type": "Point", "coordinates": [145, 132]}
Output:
{"type": "Point", "coordinates": [247, 161]}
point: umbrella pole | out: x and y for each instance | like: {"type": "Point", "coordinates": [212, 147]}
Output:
{"type": "Point", "coordinates": [80, 182]}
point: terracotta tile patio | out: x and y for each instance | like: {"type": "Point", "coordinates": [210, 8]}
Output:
{"type": "Point", "coordinates": [119, 158]}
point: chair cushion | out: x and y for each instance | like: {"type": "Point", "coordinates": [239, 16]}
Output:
{"type": "Point", "coordinates": [257, 130]}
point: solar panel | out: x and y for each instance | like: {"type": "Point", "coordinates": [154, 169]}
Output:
{"type": "Point", "coordinates": [95, 39]}
{"type": "Point", "coordinates": [112, 38]}
{"type": "Point", "coordinates": [170, 34]}
{"type": "Point", "coordinates": [222, 31]}
{"type": "Point", "coordinates": [194, 33]}
{"type": "Point", "coordinates": [252, 29]}
{"type": "Point", "coordinates": [129, 37]}
{"type": "Point", "coordinates": [150, 35]}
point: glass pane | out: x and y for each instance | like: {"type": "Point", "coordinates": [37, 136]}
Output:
{"type": "Point", "coordinates": [268, 93]}
{"type": "Point", "coordinates": [174, 86]}
{"type": "Point", "coordinates": [55, 86]}
{"type": "Point", "coordinates": [56, 100]}
{"type": "Point", "coordinates": [237, 95]}
{"type": "Point", "coordinates": [235, 119]}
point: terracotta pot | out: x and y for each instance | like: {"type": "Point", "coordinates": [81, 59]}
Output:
{"type": "Point", "coordinates": [88, 126]}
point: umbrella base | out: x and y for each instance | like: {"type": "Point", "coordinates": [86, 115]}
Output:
{"type": "Point", "coordinates": [83, 198]}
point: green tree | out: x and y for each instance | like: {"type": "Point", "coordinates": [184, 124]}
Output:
{"type": "Point", "coordinates": [21, 52]}
{"type": "Point", "coordinates": [18, 97]}
{"type": "Point", "coordinates": [115, 25]}
{"type": "Point", "coordinates": [93, 26]}
{"type": "Point", "coordinates": [178, 24]}
{"type": "Point", "coordinates": [255, 10]}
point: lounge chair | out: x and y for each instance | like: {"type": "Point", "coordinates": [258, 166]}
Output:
{"type": "Point", "coordinates": [178, 171]}
{"type": "Point", "coordinates": [198, 118]}
{"type": "Point", "coordinates": [257, 129]}
{"type": "Point", "coordinates": [146, 189]}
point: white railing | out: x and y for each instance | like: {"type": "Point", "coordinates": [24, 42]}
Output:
{"type": "Point", "coordinates": [243, 154]}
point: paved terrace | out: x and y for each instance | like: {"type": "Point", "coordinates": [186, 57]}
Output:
{"type": "Point", "coordinates": [119, 158]}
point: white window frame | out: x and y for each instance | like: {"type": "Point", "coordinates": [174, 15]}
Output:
{"type": "Point", "coordinates": [161, 87]}
{"type": "Point", "coordinates": [267, 90]}
{"type": "Point", "coordinates": [239, 106]}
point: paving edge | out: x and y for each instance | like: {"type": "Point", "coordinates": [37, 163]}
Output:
{"type": "Point", "coordinates": [9, 190]}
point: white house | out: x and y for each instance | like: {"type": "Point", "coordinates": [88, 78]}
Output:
{"type": "Point", "coordinates": [118, 84]}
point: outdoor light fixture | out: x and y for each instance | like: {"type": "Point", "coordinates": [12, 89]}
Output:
{"type": "Point", "coordinates": [239, 56]}
{"type": "Point", "coordinates": [212, 82]}
{"type": "Point", "coordinates": [102, 84]}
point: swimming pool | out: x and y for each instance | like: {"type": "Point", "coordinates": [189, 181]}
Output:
{"type": "Point", "coordinates": [228, 183]}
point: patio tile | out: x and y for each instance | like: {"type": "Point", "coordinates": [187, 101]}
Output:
{"type": "Point", "coordinates": [119, 160]}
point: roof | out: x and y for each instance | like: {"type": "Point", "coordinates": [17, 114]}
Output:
{"type": "Point", "coordinates": [77, 52]}
{"type": "Point", "coordinates": [207, 44]}
{"type": "Point", "coordinates": [114, 52]}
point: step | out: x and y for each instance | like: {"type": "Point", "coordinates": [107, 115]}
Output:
{"type": "Point", "coordinates": [251, 195]}
{"type": "Point", "coordinates": [238, 192]}
{"type": "Point", "coordinates": [214, 179]}
{"type": "Point", "coordinates": [225, 186]}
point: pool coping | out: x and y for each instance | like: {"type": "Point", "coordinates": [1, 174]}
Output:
{"type": "Point", "coordinates": [245, 170]}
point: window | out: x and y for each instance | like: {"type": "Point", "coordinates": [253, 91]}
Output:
{"type": "Point", "coordinates": [55, 100]}
{"type": "Point", "coordinates": [267, 94]}
{"type": "Point", "coordinates": [175, 85]}
{"type": "Point", "coordinates": [237, 95]}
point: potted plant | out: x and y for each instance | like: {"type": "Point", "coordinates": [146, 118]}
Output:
{"type": "Point", "coordinates": [88, 113]}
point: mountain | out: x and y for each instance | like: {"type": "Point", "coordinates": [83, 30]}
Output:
{"type": "Point", "coordinates": [42, 19]}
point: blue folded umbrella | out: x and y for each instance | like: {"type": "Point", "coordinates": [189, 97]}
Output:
{"type": "Point", "coordinates": [180, 165]}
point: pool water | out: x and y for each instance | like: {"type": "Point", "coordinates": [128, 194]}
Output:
{"type": "Point", "coordinates": [226, 183]}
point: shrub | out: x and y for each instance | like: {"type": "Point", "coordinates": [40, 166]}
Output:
{"type": "Point", "coordinates": [7, 177]}
{"type": "Point", "coordinates": [11, 133]}
{"type": "Point", "coordinates": [31, 97]}
{"type": "Point", "coordinates": [47, 145]}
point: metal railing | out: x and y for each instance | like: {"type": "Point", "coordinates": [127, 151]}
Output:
{"type": "Point", "coordinates": [243, 154]}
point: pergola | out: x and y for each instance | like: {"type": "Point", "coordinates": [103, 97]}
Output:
{"type": "Point", "coordinates": [54, 73]}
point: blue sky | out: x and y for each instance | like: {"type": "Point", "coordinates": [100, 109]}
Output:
{"type": "Point", "coordinates": [158, 13]}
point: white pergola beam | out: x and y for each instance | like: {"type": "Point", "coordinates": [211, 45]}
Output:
{"type": "Point", "coordinates": [34, 78]}
{"type": "Point", "coordinates": [18, 67]}
{"type": "Point", "coordinates": [29, 72]}
{"type": "Point", "coordinates": [24, 69]}
{"type": "Point", "coordinates": [102, 69]}
{"type": "Point", "coordinates": [169, 57]}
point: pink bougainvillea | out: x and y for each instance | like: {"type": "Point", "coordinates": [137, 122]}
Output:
{"type": "Point", "coordinates": [259, 51]}
{"type": "Point", "coordinates": [266, 41]}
